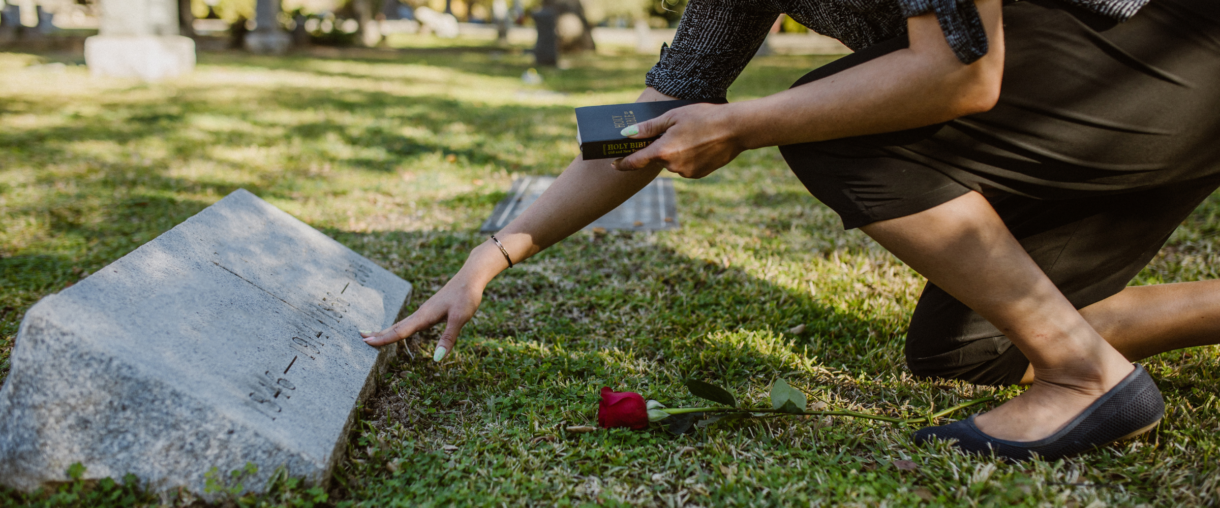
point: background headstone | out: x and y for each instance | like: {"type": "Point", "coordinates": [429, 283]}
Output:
{"type": "Point", "coordinates": [267, 38]}
{"type": "Point", "coordinates": [10, 23]}
{"type": "Point", "coordinates": [654, 208]}
{"type": "Point", "coordinates": [643, 37]}
{"type": "Point", "coordinates": [440, 24]}
{"type": "Point", "coordinates": [499, 15]}
{"type": "Point", "coordinates": [231, 338]}
{"type": "Point", "coordinates": [546, 48]}
{"type": "Point", "coordinates": [139, 39]}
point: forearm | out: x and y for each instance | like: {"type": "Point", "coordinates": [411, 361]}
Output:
{"type": "Point", "coordinates": [585, 191]}
{"type": "Point", "coordinates": [923, 84]}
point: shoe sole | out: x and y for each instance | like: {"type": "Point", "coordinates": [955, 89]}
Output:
{"type": "Point", "coordinates": [1139, 432]}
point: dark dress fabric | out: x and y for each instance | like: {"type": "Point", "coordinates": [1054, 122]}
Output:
{"type": "Point", "coordinates": [1105, 137]}
{"type": "Point", "coordinates": [716, 38]}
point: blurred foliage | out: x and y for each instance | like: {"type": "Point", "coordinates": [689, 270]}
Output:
{"type": "Point", "coordinates": [228, 10]}
{"type": "Point", "coordinates": [791, 26]}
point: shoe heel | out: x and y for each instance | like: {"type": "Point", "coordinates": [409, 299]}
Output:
{"type": "Point", "coordinates": [1139, 432]}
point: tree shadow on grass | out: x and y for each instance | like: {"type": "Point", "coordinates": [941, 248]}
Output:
{"type": "Point", "coordinates": [376, 131]}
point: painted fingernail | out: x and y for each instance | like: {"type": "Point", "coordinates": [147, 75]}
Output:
{"type": "Point", "coordinates": [630, 130]}
{"type": "Point", "coordinates": [366, 332]}
{"type": "Point", "coordinates": [440, 353]}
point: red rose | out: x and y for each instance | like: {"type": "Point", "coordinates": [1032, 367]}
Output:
{"type": "Point", "coordinates": [622, 409]}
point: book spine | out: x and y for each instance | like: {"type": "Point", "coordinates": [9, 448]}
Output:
{"type": "Point", "coordinates": [613, 149]}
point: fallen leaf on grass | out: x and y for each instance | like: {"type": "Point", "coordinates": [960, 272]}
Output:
{"type": "Point", "coordinates": [924, 494]}
{"type": "Point", "coordinates": [549, 439]}
{"type": "Point", "coordinates": [906, 465]}
{"type": "Point", "coordinates": [582, 428]}
{"type": "Point", "coordinates": [449, 448]}
{"type": "Point", "coordinates": [797, 330]}
{"type": "Point", "coordinates": [392, 466]}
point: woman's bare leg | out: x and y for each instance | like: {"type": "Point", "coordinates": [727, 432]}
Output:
{"type": "Point", "coordinates": [964, 248]}
{"type": "Point", "coordinates": [1143, 321]}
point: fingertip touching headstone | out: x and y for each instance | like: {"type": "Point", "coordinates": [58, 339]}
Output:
{"type": "Point", "coordinates": [230, 339]}
{"type": "Point", "coordinates": [653, 208]}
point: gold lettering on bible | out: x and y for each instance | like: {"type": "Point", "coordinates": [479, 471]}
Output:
{"type": "Point", "coordinates": [628, 118]}
{"type": "Point", "coordinates": [623, 148]}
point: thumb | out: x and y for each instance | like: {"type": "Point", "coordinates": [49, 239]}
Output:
{"type": "Point", "coordinates": [638, 160]}
{"type": "Point", "coordinates": [449, 338]}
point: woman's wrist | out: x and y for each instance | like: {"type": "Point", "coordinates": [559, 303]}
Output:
{"type": "Point", "coordinates": [483, 264]}
{"type": "Point", "coordinates": [743, 130]}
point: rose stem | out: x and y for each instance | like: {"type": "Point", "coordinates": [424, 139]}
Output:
{"type": "Point", "coordinates": [853, 414]}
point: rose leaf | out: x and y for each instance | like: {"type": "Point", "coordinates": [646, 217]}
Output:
{"type": "Point", "coordinates": [786, 398]}
{"type": "Point", "coordinates": [711, 392]}
{"type": "Point", "coordinates": [680, 424]}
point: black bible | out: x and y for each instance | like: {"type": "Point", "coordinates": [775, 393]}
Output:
{"type": "Point", "coordinates": [599, 127]}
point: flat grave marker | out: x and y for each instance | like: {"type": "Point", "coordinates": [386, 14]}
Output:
{"type": "Point", "coordinates": [654, 208]}
{"type": "Point", "coordinates": [231, 338]}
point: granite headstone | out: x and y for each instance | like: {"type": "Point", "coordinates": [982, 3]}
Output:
{"type": "Point", "coordinates": [10, 23]}
{"type": "Point", "coordinates": [267, 36]}
{"type": "Point", "coordinates": [230, 339]}
{"type": "Point", "coordinates": [546, 47]}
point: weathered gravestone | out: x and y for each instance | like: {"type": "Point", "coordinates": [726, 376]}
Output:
{"type": "Point", "coordinates": [267, 37]}
{"type": "Point", "coordinates": [10, 23]}
{"type": "Point", "coordinates": [232, 338]}
{"type": "Point", "coordinates": [546, 47]}
{"type": "Point", "coordinates": [139, 39]}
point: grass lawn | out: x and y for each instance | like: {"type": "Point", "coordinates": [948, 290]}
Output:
{"type": "Point", "coordinates": [401, 155]}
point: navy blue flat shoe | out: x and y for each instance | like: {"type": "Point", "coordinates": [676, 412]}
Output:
{"type": "Point", "coordinates": [1134, 406]}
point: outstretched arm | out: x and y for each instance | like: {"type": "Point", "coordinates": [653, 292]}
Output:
{"type": "Point", "coordinates": [585, 191]}
{"type": "Point", "coordinates": [923, 84]}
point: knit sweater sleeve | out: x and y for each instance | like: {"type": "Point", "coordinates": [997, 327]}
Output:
{"type": "Point", "coordinates": [715, 41]}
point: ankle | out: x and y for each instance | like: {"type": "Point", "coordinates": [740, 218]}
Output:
{"type": "Point", "coordinates": [1076, 348]}
{"type": "Point", "coordinates": [1085, 375]}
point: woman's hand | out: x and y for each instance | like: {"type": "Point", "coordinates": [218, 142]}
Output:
{"type": "Point", "coordinates": [455, 304]}
{"type": "Point", "coordinates": [695, 141]}
{"type": "Point", "coordinates": [585, 191]}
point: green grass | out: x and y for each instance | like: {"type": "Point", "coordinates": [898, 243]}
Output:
{"type": "Point", "coordinates": [401, 155]}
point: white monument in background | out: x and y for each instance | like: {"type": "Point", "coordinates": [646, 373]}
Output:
{"type": "Point", "coordinates": [139, 39]}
